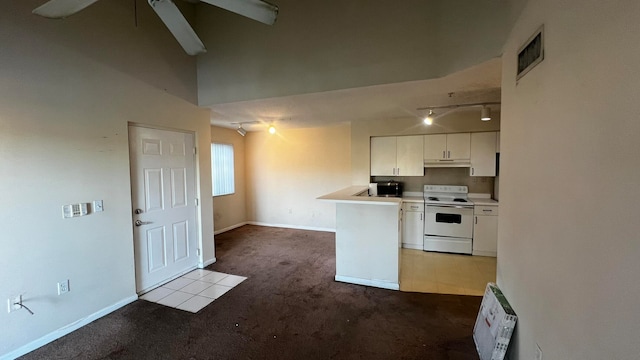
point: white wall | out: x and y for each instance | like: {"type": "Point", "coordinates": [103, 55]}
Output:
{"type": "Point", "coordinates": [287, 171]}
{"type": "Point", "coordinates": [331, 44]}
{"type": "Point", "coordinates": [63, 139]}
{"type": "Point", "coordinates": [569, 199]}
{"type": "Point", "coordinates": [230, 211]}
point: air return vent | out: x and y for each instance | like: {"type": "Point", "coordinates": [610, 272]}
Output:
{"type": "Point", "coordinates": [531, 53]}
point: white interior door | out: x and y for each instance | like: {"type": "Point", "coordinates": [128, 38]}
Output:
{"type": "Point", "coordinates": [164, 204]}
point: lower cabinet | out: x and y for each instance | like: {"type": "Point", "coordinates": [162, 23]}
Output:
{"type": "Point", "coordinates": [485, 230]}
{"type": "Point", "coordinates": [413, 225]}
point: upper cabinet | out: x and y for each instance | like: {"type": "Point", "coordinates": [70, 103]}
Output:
{"type": "Point", "coordinates": [397, 156]}
{"type": "Point", "coordinates": [447, 147]}
{"type": "Point", "coordinates": [483, 154]}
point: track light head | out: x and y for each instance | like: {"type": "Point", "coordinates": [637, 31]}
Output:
{"type": "Point", "coordinates": [241, 131]}
{"type": "Point", "coordinates": [429, 119]}
{"type": "Point", "coordinates": [485, 115]}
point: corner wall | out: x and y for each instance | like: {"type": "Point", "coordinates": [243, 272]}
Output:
{"type": "Point", "coordinates": [63, 140]}
{"type": "Point", "coordinates": [569, 198]}
{"type": "Point", "coordinates": [287, 171]}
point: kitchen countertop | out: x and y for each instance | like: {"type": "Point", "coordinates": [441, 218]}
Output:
{"type": "Point", "coordinates": [482, 199]}
{"type": "Point", "coordinates": [350, 195]}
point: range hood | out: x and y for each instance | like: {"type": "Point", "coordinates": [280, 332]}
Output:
{"type": "Point", "coordinates": [447, 163]}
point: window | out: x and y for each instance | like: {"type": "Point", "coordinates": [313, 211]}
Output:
{"type": "Point", "coordinates": [222, 169]}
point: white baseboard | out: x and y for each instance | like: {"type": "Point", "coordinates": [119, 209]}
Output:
{"type": "Point", "coordinates": [66, 329]}
{"type": "Point", "coordinates": [216, 232]}
{"type": "Point", "coordinates": [367, 282]}
{"type": "Point", "coordinates": [288, 226]}
{"type": "Point", "coordinates": [485, 253]}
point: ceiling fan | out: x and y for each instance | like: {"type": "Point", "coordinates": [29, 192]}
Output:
{"type": "Point", "coordinates": [169, 13]}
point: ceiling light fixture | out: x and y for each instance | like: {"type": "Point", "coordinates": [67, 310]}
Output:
{"type": "Point", "coordinates": [429, 119]}
{"type": "Point", "coordinates": [485, 114]}
{"type": "Point", "coordinates": [272, 129]}
{"type": "Point", "coordinates": [242, 131]}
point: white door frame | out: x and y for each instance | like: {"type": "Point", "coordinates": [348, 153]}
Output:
{"type": "Point", "coordinates": [198, 217]}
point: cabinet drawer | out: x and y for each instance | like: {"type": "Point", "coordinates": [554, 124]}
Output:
{"type": "Point", "coordinates": [485, 210]}
{"type": "Point", "coordinates": [413, 206]}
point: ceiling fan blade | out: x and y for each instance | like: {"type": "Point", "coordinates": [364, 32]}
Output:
{"type": "Point", "coordinates": [178, 25]}
{"type": "Point", "coordinates": [254, 9]}
{"type": "Point", "coordinates": [56, 9]}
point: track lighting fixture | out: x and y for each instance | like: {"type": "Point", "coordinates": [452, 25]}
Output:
{"type": "Point", "coordinates": [242, 131]}
{"type": "Point", "coordinates": [272, 129]}
{"type": "Point", "coordinates": [485, 113]}
{"type": "Point", "coordinates": [429, 119]}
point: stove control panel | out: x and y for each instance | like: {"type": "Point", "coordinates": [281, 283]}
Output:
{"type": "Point", "coordinates": [446, 189]}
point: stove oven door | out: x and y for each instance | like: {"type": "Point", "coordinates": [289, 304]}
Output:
{"type": "Point", "coordinates": [449, 220]}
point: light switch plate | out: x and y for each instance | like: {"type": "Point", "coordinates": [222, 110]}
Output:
{"type": "Point", "coordinates": [97, 206]}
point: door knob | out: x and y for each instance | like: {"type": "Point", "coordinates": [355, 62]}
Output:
{"type": "Point", "coordinates": [140, 223]}
{"type": "Point", "coordinates": [137, 211]}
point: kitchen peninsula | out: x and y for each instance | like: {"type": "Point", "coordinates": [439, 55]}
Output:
{"type": "Point", "coordinates": [368, 238]}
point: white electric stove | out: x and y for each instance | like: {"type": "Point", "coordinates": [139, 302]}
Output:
{"type": "Point", "coordinates": [448, 225]}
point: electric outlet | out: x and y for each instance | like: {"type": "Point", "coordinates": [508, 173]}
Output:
{"type": "Point", "coordinates": [13, 303]}
{"type": "Point", "coordinates": [538, 353]}
{"type": "Point", "coordinates": [63, 287]}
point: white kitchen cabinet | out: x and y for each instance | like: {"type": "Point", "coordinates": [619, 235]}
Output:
{"type": "Point", "coordinates": [485, 230]}
{"type": "Point", "coordinates": [447, 147]}
{"type": "Point", "coordinates": [397, 156]}
{"type": "Point", "coordinates": [413, 225]}
{"type": "Point", "coordinates": [483, 154]}
{"type": "Point", "coordinates": [383, 155]}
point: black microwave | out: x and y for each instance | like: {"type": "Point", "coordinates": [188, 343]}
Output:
{"type": "Point", "coordinates": [390, 189]}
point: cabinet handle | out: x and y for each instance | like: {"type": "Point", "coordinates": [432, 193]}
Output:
{"type": "Point", "coordinates": [444, 156]}
{"type": "Point", "coordinates": [421, 216]}
{"type": "Point", "coordinates": [476, 220]}
{"type": "Point", "coordinates": [449, 154]}
{"type": "Point", "coordinates": [398, 171]}
{"type": "Point", "coordinates": [472, 171]}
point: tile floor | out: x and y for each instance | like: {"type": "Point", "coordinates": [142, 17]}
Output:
{"type": "Point", "coordinates": [431, 272]}
{"type": "Point", "coordinates": [193, 291]}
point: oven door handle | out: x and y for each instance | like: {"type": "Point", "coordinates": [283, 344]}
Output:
{"type": "Point", "coordinates": [450, 206]}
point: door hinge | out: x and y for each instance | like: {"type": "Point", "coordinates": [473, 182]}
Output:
{"type": "Point", "coordinates": [195, 151]}
{"type": "Point", "coordinates": [197, 202]}
{"type": "Point", "coordinates": [198, 252]}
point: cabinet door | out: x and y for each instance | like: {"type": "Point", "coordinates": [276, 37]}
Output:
{"type": "Point", "coordinates": [383, 155]}
{"type": "Point", "coordinates": [435, 147]}
{"type": "Point", "coordinates": [485, 235]}
{"type": "Point", "coordinates": [410, 161]}
{"type": "Point", "coordinates": [483, 154]}
{"type": "Point", "coordinates": [458, 146]}
{"type": "Point", "coordinates": [413, 231]}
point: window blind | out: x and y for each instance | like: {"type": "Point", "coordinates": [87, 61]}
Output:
{"type": "Point", "coordinates": [222, 169]}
